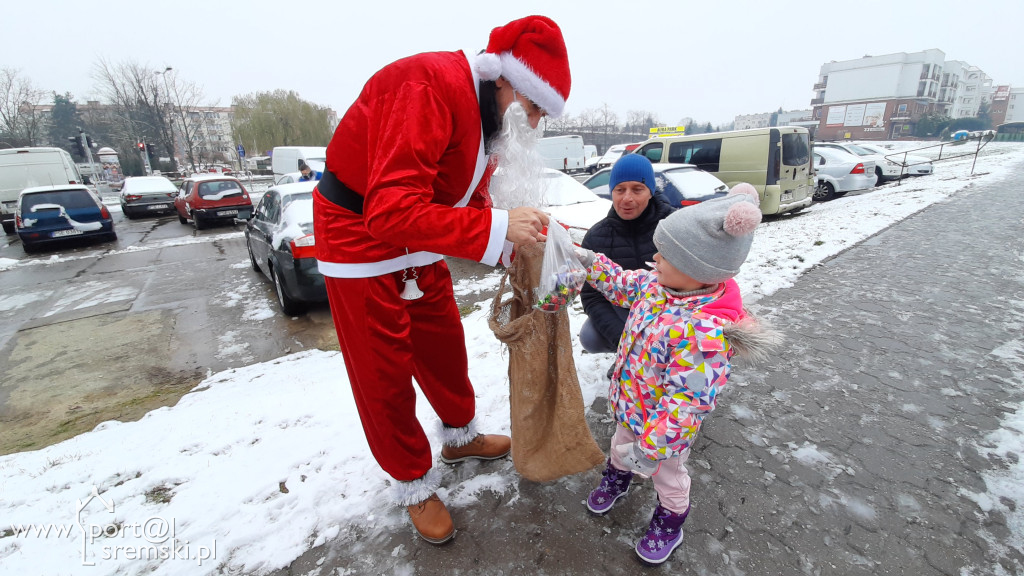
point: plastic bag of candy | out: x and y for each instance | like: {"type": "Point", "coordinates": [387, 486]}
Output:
{"type": "Point", "coordinates": [562, 275]}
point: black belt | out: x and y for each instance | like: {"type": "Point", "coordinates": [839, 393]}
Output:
{"type": "Point", "coordinates": [338, 193]}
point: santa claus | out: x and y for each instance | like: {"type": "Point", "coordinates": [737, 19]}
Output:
{"type": "Point", "coordinates": [406, 183]}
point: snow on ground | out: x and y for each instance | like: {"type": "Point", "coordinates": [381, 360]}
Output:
{"type": "Point", "coordinates": [258, 464]}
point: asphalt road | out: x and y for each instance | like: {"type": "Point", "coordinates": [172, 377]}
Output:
{"type": "Point", "coordinates": [113, 330]}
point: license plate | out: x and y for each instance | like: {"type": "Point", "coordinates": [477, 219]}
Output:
{"type": "Point", "coordinates": [227, 212]}
{"type": "Point", "coordinates": [71, 232]}
{"type": "Point", "coordinates": [787, 196]}
{"type": "Point", "coordinates": [157, 207]}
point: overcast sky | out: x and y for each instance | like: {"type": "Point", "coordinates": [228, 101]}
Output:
{"type": "Point", "coordinates": [706, 60]}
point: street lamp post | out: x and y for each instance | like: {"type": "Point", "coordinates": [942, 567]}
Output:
{"type": "Point", "coordinates": [167, 90]}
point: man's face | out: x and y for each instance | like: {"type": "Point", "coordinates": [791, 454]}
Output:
{"type": "Point", "coordinates": [506, 94]}
{"type": "Point", "coordinates": [630, 199]}
{"type": "Point", "coordinates": [306, 172]}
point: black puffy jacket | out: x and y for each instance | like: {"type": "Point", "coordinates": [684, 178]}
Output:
{"type": "Point", "coordinates": [628, 243]}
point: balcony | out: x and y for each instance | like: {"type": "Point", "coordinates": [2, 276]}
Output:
{"type": "Point", "coordinates": [820, 86]}
{"type": "Point", "coordinates": [817, 101]}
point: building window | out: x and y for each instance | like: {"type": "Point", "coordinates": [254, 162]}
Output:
{"type": "Point", "coordinates": [902, 109]}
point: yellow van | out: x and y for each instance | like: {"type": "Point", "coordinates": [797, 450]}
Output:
{"type": "Point", "coordinates": [776, 161]}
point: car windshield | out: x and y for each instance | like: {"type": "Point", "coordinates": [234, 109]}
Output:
{"type": "Point", "coordinates": [693, 183]}
{"type": "Point", "coordinates": [218, 190]}
{"type": "Point", "coordinates": [69, 199]}
{"type": "Point", "coordinates": [562, 190]}
{"type": "Point", "coordinates": [796, 149]}
{"type": "Point", "coordinates": [287, 199]}
{"type": "Point", "coordinates": [143, 185]}
{"type": "Point", "coordinates": [860, 150]}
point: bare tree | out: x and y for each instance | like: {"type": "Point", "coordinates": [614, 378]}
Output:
{"type": "Point", "coordinates": [130, 88]}
{"type": "Point", "coordinates": [184, 99]}
{"type": "Point", "coordinates": [640, 122]}
{"type": "Point", "coordinates": [19, 116]}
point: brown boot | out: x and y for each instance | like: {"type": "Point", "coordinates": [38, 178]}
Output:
{"type": "Point", "coordinates": [483, 447]}
{"type": "Point", "coordinates": [432, 521]}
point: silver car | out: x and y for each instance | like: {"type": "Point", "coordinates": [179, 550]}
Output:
{"type": "Point", "coordinates": [838, 172]}
{"type": "Point", "coordinates": [147, 195]}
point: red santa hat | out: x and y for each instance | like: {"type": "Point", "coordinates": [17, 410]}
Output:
{"type": "Point", "coordinates": [530, 54]}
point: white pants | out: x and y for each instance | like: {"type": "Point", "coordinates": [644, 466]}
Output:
{"type": "Point", "coordinates": [671, 481]}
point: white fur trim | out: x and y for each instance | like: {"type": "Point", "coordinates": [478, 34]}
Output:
{"type": "Point", "coordinates": [527, 82]}
{"type": "Point", "coordinates": [488, 66]}
{"type": "Point", "coordinates": [456, 437]}
{"type": "Point", "coordinates": [496, 242]}
{"type": "Point", "coordinates": [416, 491]}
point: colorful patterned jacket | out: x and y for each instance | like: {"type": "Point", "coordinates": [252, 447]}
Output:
{"type": "Point", "coordinates": [674, 356]}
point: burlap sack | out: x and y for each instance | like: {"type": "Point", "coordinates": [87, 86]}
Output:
{"type": "Point", "coordinates": [550, 437]}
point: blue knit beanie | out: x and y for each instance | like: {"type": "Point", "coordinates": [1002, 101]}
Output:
{"type": "Point", "coordinates": [632, 168]}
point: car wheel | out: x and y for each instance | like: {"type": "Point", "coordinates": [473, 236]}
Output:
{"type": "Point", "coordinates": [289, 306]}
{"type": "Point", "coordinates": [879, 178]}
{"type": "Point", "coordinates": [9, 227]}
{"type": "Point", "coordinates": [182, 219]}
{"type": "Point", "coordinates": [252, 259]}
{"type": "Point", "coordinates": [824, 191]}
{"type": "Point", "coordinates": [29, 248]}
{"type": "Point", "coordinates": [112, 237]}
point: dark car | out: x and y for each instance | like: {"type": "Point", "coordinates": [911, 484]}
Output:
{"type": "Point", "coordinates": [144, 195]}
{"type": "Point", "coordinates": [209, 198]}
{"type": "Point", "coordinates": [281, 245]}
{"type": "Point", "coordinates": [679, 184]}
{"type": "Point", "coordinates": [50, 214]}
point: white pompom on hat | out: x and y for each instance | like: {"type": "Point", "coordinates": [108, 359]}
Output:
{"type": "Point", "coordinates": [710, 241]}
{"type": "Point", "coordinates": [530, 53]}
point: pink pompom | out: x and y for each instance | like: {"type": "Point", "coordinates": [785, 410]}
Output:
{"type": "Point", "coordinates": [744, 188]}
{"type": "Point", "coordinates": [742, 217]}
{"type": "Point", "coordinates": [488, 66]}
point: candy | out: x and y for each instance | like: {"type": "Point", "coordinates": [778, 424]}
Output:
{"type": "Point", "coordinates": [567, 285]}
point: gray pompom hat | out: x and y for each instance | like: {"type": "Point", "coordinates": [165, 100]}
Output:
{"type": "Point", "coordinates": [710, 241]}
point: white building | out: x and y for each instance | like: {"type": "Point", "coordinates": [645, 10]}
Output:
{"type": "Point", "coordinates": [882, 97]}
{"type": "Point", "coordinates": [973, 89]}
{"type": "Point", "coordinates": [746, 121]}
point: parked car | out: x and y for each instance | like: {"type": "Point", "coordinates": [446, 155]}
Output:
{"type": "Point", "coordinates": [209, 198]}
{"type": "Point", "coordinates": [839, 172]}
{"type": "Point", "coordinates": [572, 204]}
{"type": "Point", "coordinates": [885, 168]}
{"type": "Point", "coordinates": [776, 161]}
{"type": "Point", "coordinates": [910, 164]}
{"type": "Point", "coordinates": [614, 153]}
{"type": "Point", "coordinates": [281, 246]}
{"type": "Point", "coordinates": [22, 168]}
{"type": "Point", "coordinates": [679, 184]}
{"type": "Point", "coordinates": [289, 178]}
{"type": "Point", "coordinates": [50, 214]}
{"type": "Point", "coordinates": [143, 195]}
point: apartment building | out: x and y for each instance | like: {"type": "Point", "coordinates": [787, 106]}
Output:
{"type": "Point", "coordinates": [881, 97]}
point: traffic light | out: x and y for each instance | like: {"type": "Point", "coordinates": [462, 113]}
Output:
{"type": "Point", "coordinates": [142, 146]}
{"type": "Point", "coordinates": [76, 145]}
{"type": "Point", "coordinates": [89, 141]}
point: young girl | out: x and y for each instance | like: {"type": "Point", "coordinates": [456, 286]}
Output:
{"type": "Point", "coordinates": [686, 320]}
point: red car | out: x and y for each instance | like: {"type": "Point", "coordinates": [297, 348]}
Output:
{"type": "Point", "coordinates": [208, 198]}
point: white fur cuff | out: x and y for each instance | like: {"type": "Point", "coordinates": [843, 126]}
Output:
{"type": "Point", "coordinates": [456, 437]}
{"type": "Point", "coordinates": [416, 491]}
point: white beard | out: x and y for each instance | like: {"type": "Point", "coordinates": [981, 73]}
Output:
{"type": "Point", "coordinates": [519, 177]}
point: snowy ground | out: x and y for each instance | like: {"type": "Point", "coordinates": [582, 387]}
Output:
{"type": "Point", "coordinates": [258, 464]}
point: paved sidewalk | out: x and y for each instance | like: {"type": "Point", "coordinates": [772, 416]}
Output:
{"type": "Point", "coordinates": [856, 452]}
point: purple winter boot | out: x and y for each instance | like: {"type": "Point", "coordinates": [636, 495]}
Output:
{"type": "Point", "coordinates": [614, 484]}
{"type": "Point", "coordinates": [664, 535]}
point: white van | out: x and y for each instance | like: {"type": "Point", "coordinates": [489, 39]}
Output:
{"type": "Point", "coordinates": [22, 168]}
{"type": "Point", "coordinates": [776, 161]}
{"type": "Point", "coordinates": [285, 159]}
{"type": "Point", "coordinates": [564, 153]}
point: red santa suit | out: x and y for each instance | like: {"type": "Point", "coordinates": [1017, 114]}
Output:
{"type": "Point", "coordinates": [412, 147]}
